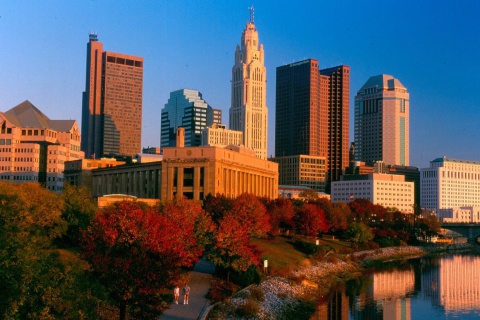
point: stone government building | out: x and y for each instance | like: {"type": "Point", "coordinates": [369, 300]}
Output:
{"type": "Point", "coordinates": [193, 172]}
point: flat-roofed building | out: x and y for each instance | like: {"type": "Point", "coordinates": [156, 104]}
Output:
{"type": "Point", "coordinates": [450, 183]}
{"type": "Point", "coordinates": [388, 190]}
{"type": "Point", "coordinates": [295, 192]}
{"type": "Point", "coordinates": [303, 171]}
{"type": "Point", "coordinates": [459, 215]}
{"type": "Point", "coordinates": [218, 135]}
{"type": "Point", "coordinates": [195, 172]}
{"type": "Point", "coordinates": [112, 103]}
{"type": "Point", "coordinates": [141, 180]}
{"type": "Point", "coordinates": [191, 172]}
{"type": "Point", "coordinates": [79, 172]}
{"type": "Point", "coordinates": [34, 148]}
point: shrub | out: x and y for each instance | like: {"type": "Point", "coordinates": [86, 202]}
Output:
{"type": "Point", "coordinates": [256, 293]}
{"type": "Point", "coordinates": [387, 242]}
{"type": "Point", "coordinates": [309, 248]}
{"type": "Point", "coordinates": [249, 309]}
{"type": "Point", "coordinates": [246, 278]}
{"type": "Point", "coordinates": [299, 311]}
{"type": "Point", "coordinates": [221, 290]}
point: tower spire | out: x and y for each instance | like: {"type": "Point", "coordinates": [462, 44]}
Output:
{"type": "Point", "coordinates": [251, 9]}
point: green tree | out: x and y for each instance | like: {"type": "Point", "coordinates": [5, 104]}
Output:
{"type": "Point", "coordinates": [37, 281]}
{"type": "Point", "coordinates": [309, 195]}
{"type": "Point", "coordinates": [359, 233]}
{"type": "Point", "coordinates": [78, 211]}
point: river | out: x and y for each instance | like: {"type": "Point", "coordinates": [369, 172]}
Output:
{"type": "Point", "coordinates": [432, 288]}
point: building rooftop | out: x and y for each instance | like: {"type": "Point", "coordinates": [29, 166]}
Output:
{"type": "Point", "coordinates": [382, 81]}
{"type": "Point", "coordinates": [445, 159]}
{"type": "Point", "coordinates": [26, 115]}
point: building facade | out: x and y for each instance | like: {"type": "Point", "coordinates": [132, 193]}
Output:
{"type": "Point", "coordinates": [459, 215]}
{"type": "Point", "coordinates": [312, 114]}
{"type": "Point", "coordinates": [302, 170]}
{"type": "Point", "coordinates": [248, 112]}
{"type": "Point", "coordinates": [195, 172]}
{"type": "Point", "coordinates": [112, 103]}
{"type": "Point", "coordinates": [79, 172]}
{"type": "Point", "coordinates": [191, 172]}
{"type": "Point", "coordinates": [450, 183]}
{"type": "Point", "coordinates": [382, 121]}
{"type": "Point", "coordinates": [186, 108]}
{"type": "Point", "coordinates": [390, 191]}
{"type": "Point", "coordinates": [34, 148]}
{"type": "Point", "coordinates": [142, 180]}
{"type": "Point", "coordinates": [218, 135]}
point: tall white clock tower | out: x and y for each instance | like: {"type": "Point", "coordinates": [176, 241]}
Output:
{"type": "Point", "coordinates": [248, 112]}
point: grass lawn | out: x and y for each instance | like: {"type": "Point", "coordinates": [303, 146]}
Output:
{"type": "Point", "coordinates": [281, 253]}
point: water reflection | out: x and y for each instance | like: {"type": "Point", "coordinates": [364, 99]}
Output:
{"type": "Point", "coordinates": [431, 288]}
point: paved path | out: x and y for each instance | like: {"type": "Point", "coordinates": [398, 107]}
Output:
{"type": "Point", "coordinates": [200, 279]}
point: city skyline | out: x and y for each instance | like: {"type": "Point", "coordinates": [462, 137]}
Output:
{"type": "Point", "coordinates": [430, 48]}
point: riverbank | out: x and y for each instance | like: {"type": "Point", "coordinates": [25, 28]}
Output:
{"type": "Point", "coordinates": [295, 294]}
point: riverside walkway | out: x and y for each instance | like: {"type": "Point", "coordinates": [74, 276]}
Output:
{"type": "Point", "coordinates": [200, 280]}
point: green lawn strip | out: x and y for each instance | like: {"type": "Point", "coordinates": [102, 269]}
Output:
{"type": "Point", "coordinates": [279, 252]}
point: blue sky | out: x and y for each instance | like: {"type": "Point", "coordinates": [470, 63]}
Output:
{"type": "Point", "coordinates": [432, 47]}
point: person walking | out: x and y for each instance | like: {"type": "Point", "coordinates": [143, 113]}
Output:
{"type": "Point", "coordinates": [176, 293]}
{"type": "Point", "coordinates": [186, 292]}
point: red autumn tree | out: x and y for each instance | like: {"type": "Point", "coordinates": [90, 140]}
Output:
{"type": "Point", "coordinates": [362, 209]}
{"type": "Point", "coordinates": [310, 220]}
{"type": "Point", "coordinates": [252, 214]}
{"type": "Point", "coordinates": [135, 252]}
{"type": "Point", "coordinates": [190, 215]}
{"type": "Point", "coordinates": [217, 206]}
{"type": "Point", "coordinates": [233, 250]}
{"type": "Point", "coordinates": [281, 212]}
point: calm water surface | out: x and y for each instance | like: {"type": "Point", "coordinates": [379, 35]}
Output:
{"type": "Point", "coordinates": [446, 287]}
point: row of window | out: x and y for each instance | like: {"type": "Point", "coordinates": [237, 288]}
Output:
{"type": "Point", "coordinates": [7, 142]}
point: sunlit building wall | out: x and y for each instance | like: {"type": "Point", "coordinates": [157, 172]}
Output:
{"type": "Point", "coordinates": [34, 148]}
{"type": "Point", "coordinates": [390, 191]}
{"type": "Point", "coordinates": [248, 111]}
{"type": "Point", "coordinates": [382, 121]}
{"type": "Point", "coordinates": [450, 183]}
{"type": "Point", "coordinates": [112, 103]}
{"type": "Point", "coordinates": [302, 170]}
{"type": "Point", "coordinates": [459, 215]}
{"type": "Point", "coordinates": [218, 135]}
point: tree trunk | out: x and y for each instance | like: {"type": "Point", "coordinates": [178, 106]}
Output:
{"type": "Point", "coordinates": [123, 308]}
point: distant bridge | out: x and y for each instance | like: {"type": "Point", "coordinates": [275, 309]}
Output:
{"type": "Point", "coordinates": [468, 230]}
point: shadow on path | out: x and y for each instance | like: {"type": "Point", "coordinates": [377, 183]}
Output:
{"type": "Point", "coordinates": [200, 280]}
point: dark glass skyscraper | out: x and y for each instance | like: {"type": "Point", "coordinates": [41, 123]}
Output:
{"type": "Point", "coordinates": [186, 108]}
{"type": "Point", "coordinates": [312, 110]}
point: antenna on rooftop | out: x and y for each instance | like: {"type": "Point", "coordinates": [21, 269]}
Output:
{"type": "Point", "coordinates": [252, 14]}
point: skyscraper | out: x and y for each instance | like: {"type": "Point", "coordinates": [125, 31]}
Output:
{"type": "Point", "coordinates": [382, 111]}
{"type": "Point", "coordinates": [248, 112]}
{"type": "Point", "coordinates": [186, 108]}
{"type": "Point", "coordinates": [112, 103]}
{"type": "Point", "coordinates": [335, 83]}
{"type": "Point", "coordinates": [312, 114]}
